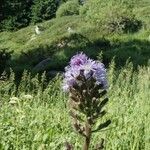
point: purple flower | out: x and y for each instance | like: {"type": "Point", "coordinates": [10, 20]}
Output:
{"type": "Point", "coordinates": [71, 73]}
{"type": "Point", "coordinates": [89, 68]}
{"type": "Point", "coordinates": [78, 60]}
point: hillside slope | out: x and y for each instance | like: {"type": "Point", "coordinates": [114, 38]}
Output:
{"type": "Point", "coordinates": [60, 38]}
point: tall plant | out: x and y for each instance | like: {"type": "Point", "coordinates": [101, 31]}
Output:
{"type": "Point", "coordinates": [85, 81]}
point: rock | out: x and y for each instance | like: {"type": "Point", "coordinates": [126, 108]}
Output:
{"type": "Point", "coordinates": [70, 30]}
{"type": "Point", "coordinates": [38, 29]}
{"type": "Point", "coordinates": [53, 73]}
{"type": "Point", "coordinates": [43, 65]}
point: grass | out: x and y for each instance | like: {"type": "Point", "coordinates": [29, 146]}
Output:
{"type": "Point", "coordinates": [34, 113]}
{"type": "Point", "coordinates": [88, 38]}
{"type": "Point", "coordinates": [41, 121]}
{"type": "Point", "coordinates": [33, 110]}
{"type": "Point", "coordinates": [24, 44]}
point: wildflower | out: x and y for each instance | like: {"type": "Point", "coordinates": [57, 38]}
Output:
{"type": "Point", "coordinates": [78, 60]}
{"type": "Point", "coordinates": [13, 100]}
{"type": "Point", "coordinates": [85, 80]}
{"type": "Point", "coordinates": [80, 63]}
{"type": "Point", "coordinates": [28, 96]}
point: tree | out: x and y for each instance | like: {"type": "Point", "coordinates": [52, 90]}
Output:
{"type": "Point", "coordinates": [43, 10]}
{"type": "Point", "coordinates": [15, 14]}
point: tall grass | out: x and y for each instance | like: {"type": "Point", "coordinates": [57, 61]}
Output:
{"type": "Point", "coordinates": [34, 114]}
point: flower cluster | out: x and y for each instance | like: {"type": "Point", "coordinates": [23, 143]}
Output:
{"type": "Point", "coordinates": [80, 64]}
{"type": "Point", "coordinates": [85, 81]}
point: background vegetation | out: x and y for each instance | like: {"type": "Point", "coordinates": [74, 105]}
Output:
{"type": "Point", "coordinates": [123, 31]}
{"type": "Point", "coordinates": [33, 112]}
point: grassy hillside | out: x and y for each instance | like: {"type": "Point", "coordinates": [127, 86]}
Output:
{"type": "Point", "coordinates": [25, 49]}
{"type": "Point", "coordinates": [34, 113]}
{"type": "Point", "coordinates": [28, 49]}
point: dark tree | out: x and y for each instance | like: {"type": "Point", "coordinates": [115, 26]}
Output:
{"type": "Point", "coordinates": [15, 14]}
{"type": "Point", "coordinates": [43, 10]}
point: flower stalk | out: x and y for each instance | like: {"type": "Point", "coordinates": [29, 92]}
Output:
{"type": "Point", "coordinates": [86, 82]}
{"type": "Point", "coordinates": [88, 136]}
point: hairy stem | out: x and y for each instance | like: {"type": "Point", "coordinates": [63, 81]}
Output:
{"type": "Point", "coordinates": [88, 136]}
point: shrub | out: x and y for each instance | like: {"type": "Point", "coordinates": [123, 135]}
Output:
{"type": "Point", "coordinates": [68, 8]}
{"type": "Point", "coordinates": [43, 10]}
{"type": "Point", "coordinates": [122, 21]}
{"type": "Point", "coordinates": [110, 16]}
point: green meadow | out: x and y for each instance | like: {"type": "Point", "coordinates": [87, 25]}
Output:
{"type": "Point", "coordinates": [33, 107]}
{"type": "Point", "coordinates": [34, 115]}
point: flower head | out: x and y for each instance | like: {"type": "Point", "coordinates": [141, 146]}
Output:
{"type": "Point", "coordinates": [78, 60]}
{"type": "Point", "coordinates": [89, 68]}
{"type": "Point", "coordinates": [85, 80]}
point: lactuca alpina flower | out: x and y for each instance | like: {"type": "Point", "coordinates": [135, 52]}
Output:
{"type": "Point", "coordinates": [85, 80]}
{"type": "Point", "coordinates": [79, 59]}
{"type": "Point", "coordinates": [90, 69]}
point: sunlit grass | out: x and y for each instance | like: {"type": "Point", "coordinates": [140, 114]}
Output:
{"type": "Point", "coordinates": [39, 117]}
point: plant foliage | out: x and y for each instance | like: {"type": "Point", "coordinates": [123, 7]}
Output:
{"type": "Point", "coordinates": [69, 8]}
